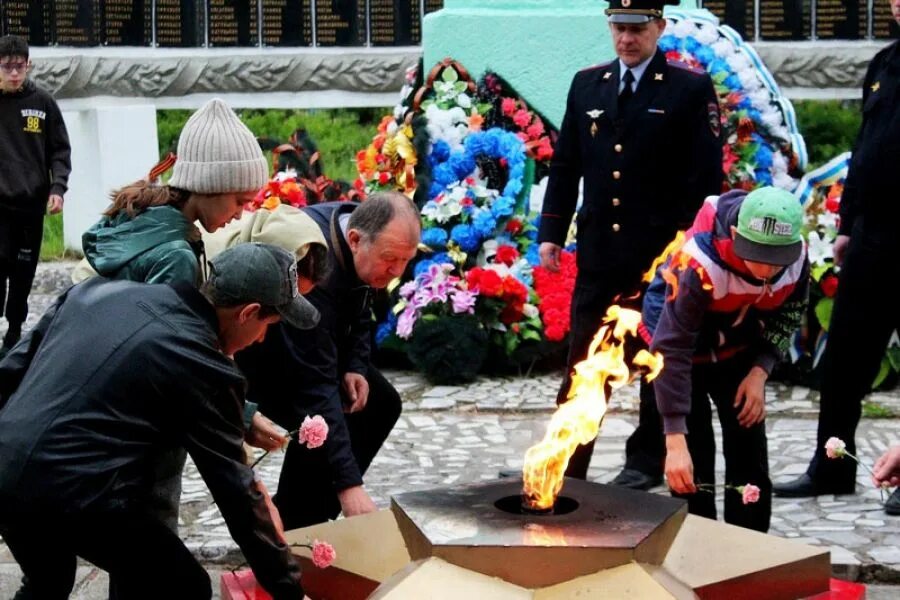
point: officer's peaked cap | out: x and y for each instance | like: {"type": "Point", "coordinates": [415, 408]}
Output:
{"type": "Point", "coordinates": [636, 11]}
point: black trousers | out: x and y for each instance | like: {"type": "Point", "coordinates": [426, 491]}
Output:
{"type": "Point", "coordinates": [864, 316]}
{"type": "Point", "coordinates": [593, 295]}
{"type": "Point", "coordinates": [20, 249]}
{"type": "Point", "coordinates": [745, 448]}
{"type": "Point", "coordinates": [306, 493]}
{"type": "Point", "coordinates": [135, 548]}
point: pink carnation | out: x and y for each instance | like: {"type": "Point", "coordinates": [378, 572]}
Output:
{"type": "Point", "coordinates": [522, 118]}
{"type": "Point", "coordinates": [508, 106]}
{"type": "Point", "coordinates": [313, 431]}
{"type": "Point", "coordinates": [323, 554]}
{"type": "Point", "coordinates": [750, 493]}
{"type": "Point", "coordinates": [835, 448]}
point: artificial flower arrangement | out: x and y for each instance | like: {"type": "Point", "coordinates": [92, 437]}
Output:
{"type": "Point", "coordinates": [820, 192]}
{"type": "Point", "coordinates": [763, 145]}
{"type": "Point", "coordinates": [471, 293]}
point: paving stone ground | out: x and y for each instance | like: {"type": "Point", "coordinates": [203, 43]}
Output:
{"type": "Point", "coordinates": [451, 435]}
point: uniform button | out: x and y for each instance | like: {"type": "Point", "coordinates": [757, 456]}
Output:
{"type": "Point", "coordinates": [616, 202]}
{"type": "Point", "coordinates": [618, 147]}
{"type": "Point", "coordinates": [617, 174]}
{"type": "Point", "coordinates": [616, 227]}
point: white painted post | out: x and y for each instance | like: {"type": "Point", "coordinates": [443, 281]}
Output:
{"type": "Point", "coordinates": [111, 146]}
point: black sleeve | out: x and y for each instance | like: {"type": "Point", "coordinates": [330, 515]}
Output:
{"type": "Point", "coordinates": [58, 150]}
{"type": "Point", "coordinates": [15, 364]}
{"type": "Point", "coordinates": [565, 173]}
{"type": "Point", "coordinates": [214, 437]}
{"type": "Point", "coordinates": [850, 200]}
{"type": "Point", "coordinates": [703, 159]}
{"type": "Point", "coordinates": [355, 349]}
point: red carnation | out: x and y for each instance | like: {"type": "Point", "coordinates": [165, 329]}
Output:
{"type": "Point", "coordinates": [535, 130]}
{"type": "Point", "coordinates": [507, 255]}
{"type": "Point", "coordinates": [833, 204]}
{"type": "Point", "coordinates": [522, 118]}
{"type": "Point", "coordinates": [514, 226]}
{"type": "Point", "coordinates": [508, 106]}
{"type": "Point", "coordinates": [512, 313]}
{"type": "Point", "coordinates": [829, 285]}
{"type": "Point", "coordinates": [384, 178]}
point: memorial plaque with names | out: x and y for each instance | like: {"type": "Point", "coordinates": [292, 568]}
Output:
{"type": "Point", "coordinates": [178, 24]}
{"type": "Point", "coordinates": [841, 19]}
{"type": "Point", "coordinates": [884, 26]}
{"type": "Point", "coordinates": [127, 22]}
{"type": "Point", "coordinates": [286, 22]}
{"type": "Point", "coordinates": [29, 19]}
{"type": "Point", "coordinates": [395, 22]}
{"type": "Point", "coordinates": [232, 22]}
{"type": "Point", "coordinates": [76, 22]}
{"type": "Point", "coordinates": [784, 19]}
{"type": "Point", "coordinates": [340, 22]}
{"type": "Point", "coordinates": [737, 14]}
{"type": "Point", "coordinates": [433, 5]}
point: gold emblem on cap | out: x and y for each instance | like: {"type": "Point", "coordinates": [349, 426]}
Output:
{"type": "Point", "coordinates": [626, 3]}
{"type": "Point", "coordinates": [657, 77]}
{"type": "Point", "coordinates": [876, 86]}
{"type": "Point", "coordinates": [594, 129]}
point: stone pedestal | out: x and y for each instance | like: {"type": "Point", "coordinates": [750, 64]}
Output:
{"type": "Point", "coordinates": [536, 45]}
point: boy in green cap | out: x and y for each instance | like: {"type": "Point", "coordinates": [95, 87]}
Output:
{"type": "Point", "coordinates": [720, 311]}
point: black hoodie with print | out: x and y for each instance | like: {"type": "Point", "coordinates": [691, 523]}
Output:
{"type": "Point", "coordinates": [34, 150]}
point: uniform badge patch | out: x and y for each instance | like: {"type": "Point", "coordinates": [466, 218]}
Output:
{"type": "Point", "coordinates": [594, 113]}
{"type": "Point", "coordinates": [594, 129]}
{"type": "Point", "coordinates": [715, 123]}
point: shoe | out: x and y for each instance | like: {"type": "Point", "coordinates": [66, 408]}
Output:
{"type": "Point", "coordinates": [636, 480]}
{"type": "Point", "coordinates": [805, 487]}
{"type": "Point", "coordinates": [892, 506]}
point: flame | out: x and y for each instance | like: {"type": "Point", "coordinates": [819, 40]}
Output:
{"type": "Point", "coordinates": [669, 250]}
{"type": "Point", "coordinates": [578, 420]}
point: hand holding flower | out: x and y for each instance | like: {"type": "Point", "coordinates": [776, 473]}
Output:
{"type": "Point", "coordinates": [312, 432]}
{"type": "Point", "coordinates": [749, 492]}
{"type": "Point", "coordinates": [887, 468]}
{"type": "Point", "coordinates": [679, 466]}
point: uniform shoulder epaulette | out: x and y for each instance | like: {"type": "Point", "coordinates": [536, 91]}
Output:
{"type": "Point", "coordinates": [678, 64]}
{"type": "Point", "coordinates": [596, 67]}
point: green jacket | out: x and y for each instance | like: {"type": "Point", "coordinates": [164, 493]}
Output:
{"type": "Point", "coordinates": [152, 247]}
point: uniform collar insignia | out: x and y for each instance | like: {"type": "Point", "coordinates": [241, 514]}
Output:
{"type": "Point", "coordinates": [657, 77]}
{"type": "Point", "coordinates": [876, 86]}
{"type": "Point", "coordinates": [607, 75]}
{"type": "Point", "coordinates": [594, 113]}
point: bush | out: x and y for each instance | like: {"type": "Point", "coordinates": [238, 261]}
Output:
{"type": "Point", "coordinates": [829, 127]}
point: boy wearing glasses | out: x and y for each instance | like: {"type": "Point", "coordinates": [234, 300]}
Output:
{"type": "Point", "coordinates": [34, 171]}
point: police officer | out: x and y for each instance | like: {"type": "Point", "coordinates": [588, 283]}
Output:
{"type": "Point", "coordinates": [866, 249]}
{"type": "Point", "coordinates": [643, 132]}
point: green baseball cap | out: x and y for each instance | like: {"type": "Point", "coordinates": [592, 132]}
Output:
{"type": "Point", "coordinates": [768, 227]}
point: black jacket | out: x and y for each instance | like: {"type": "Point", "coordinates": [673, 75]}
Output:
{"type": "Point", "coordinates": [113, 374]}
{"type": "Point", "coordinates": [295, 373]}
{"type": "Point", "coordinates": [871, 187]}
{"type": "Point", "coordinates": [646, 171]}
{"type": "Point", "coordinates": [34, 150]}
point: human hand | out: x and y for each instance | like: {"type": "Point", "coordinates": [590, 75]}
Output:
{"type": "Point", "coordinates": [550, 253]}
{"type": "Point", "coordinates": [54, 204]}
{"type": "Point", "coordinates": [841, 243]}
{"type": "Point", "coordinates": [357, 389]}
{"type": "Point", "coordinates": [356, 501]}
{"type": "Point", "coordinates": [273, 510]}
{"type": "Point", "coordinates": [887, 468]}
{"type": "Point", "coordinates": [752, 392]}
{"type": "Point", "coordinates": [679, 466]}
{"type": "Point", "coordinates": [265, 434]}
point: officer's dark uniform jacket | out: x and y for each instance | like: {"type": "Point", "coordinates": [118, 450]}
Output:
{"type": "Point", "coordinates": [646, 170]}
{"type": "Point", "coordinates": [871, 187]}
{"type": "Point", "coordinates": [114, 373]}
{"type": "Point", "coordinates": [296, 373]}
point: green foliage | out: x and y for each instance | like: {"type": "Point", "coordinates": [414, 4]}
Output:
{"type": "Point", "coordinates": [52, 246]}
{"type": "Point", "coordinates": [873, 410]}
{"type": "Point", "coordinates": [829, 127]}
{"type": "Point", "coordinates": [339, 134]}
{"type": "Point", "coordinates": [448, 350]}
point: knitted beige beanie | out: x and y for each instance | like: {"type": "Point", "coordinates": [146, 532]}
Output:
{"type": "Point", "coordinates": [217, 154]}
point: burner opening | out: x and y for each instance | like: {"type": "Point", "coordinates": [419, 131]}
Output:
{"type": "Point", "coordinates": [518, 505]}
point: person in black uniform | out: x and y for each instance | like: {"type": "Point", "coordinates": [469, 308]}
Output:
{"type": "Point", "coordinates": [866, 250]}
{"type": "Point", "coordinates": [643, 132]}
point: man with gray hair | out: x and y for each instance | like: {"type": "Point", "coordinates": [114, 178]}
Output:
{"type": "Point", "coordinates": [114, 373]}
{"type": "Point", "coordinates": [326, 370]}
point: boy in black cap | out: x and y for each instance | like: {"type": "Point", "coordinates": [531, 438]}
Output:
{"type": "Point", "coordinates": [113, 374]}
